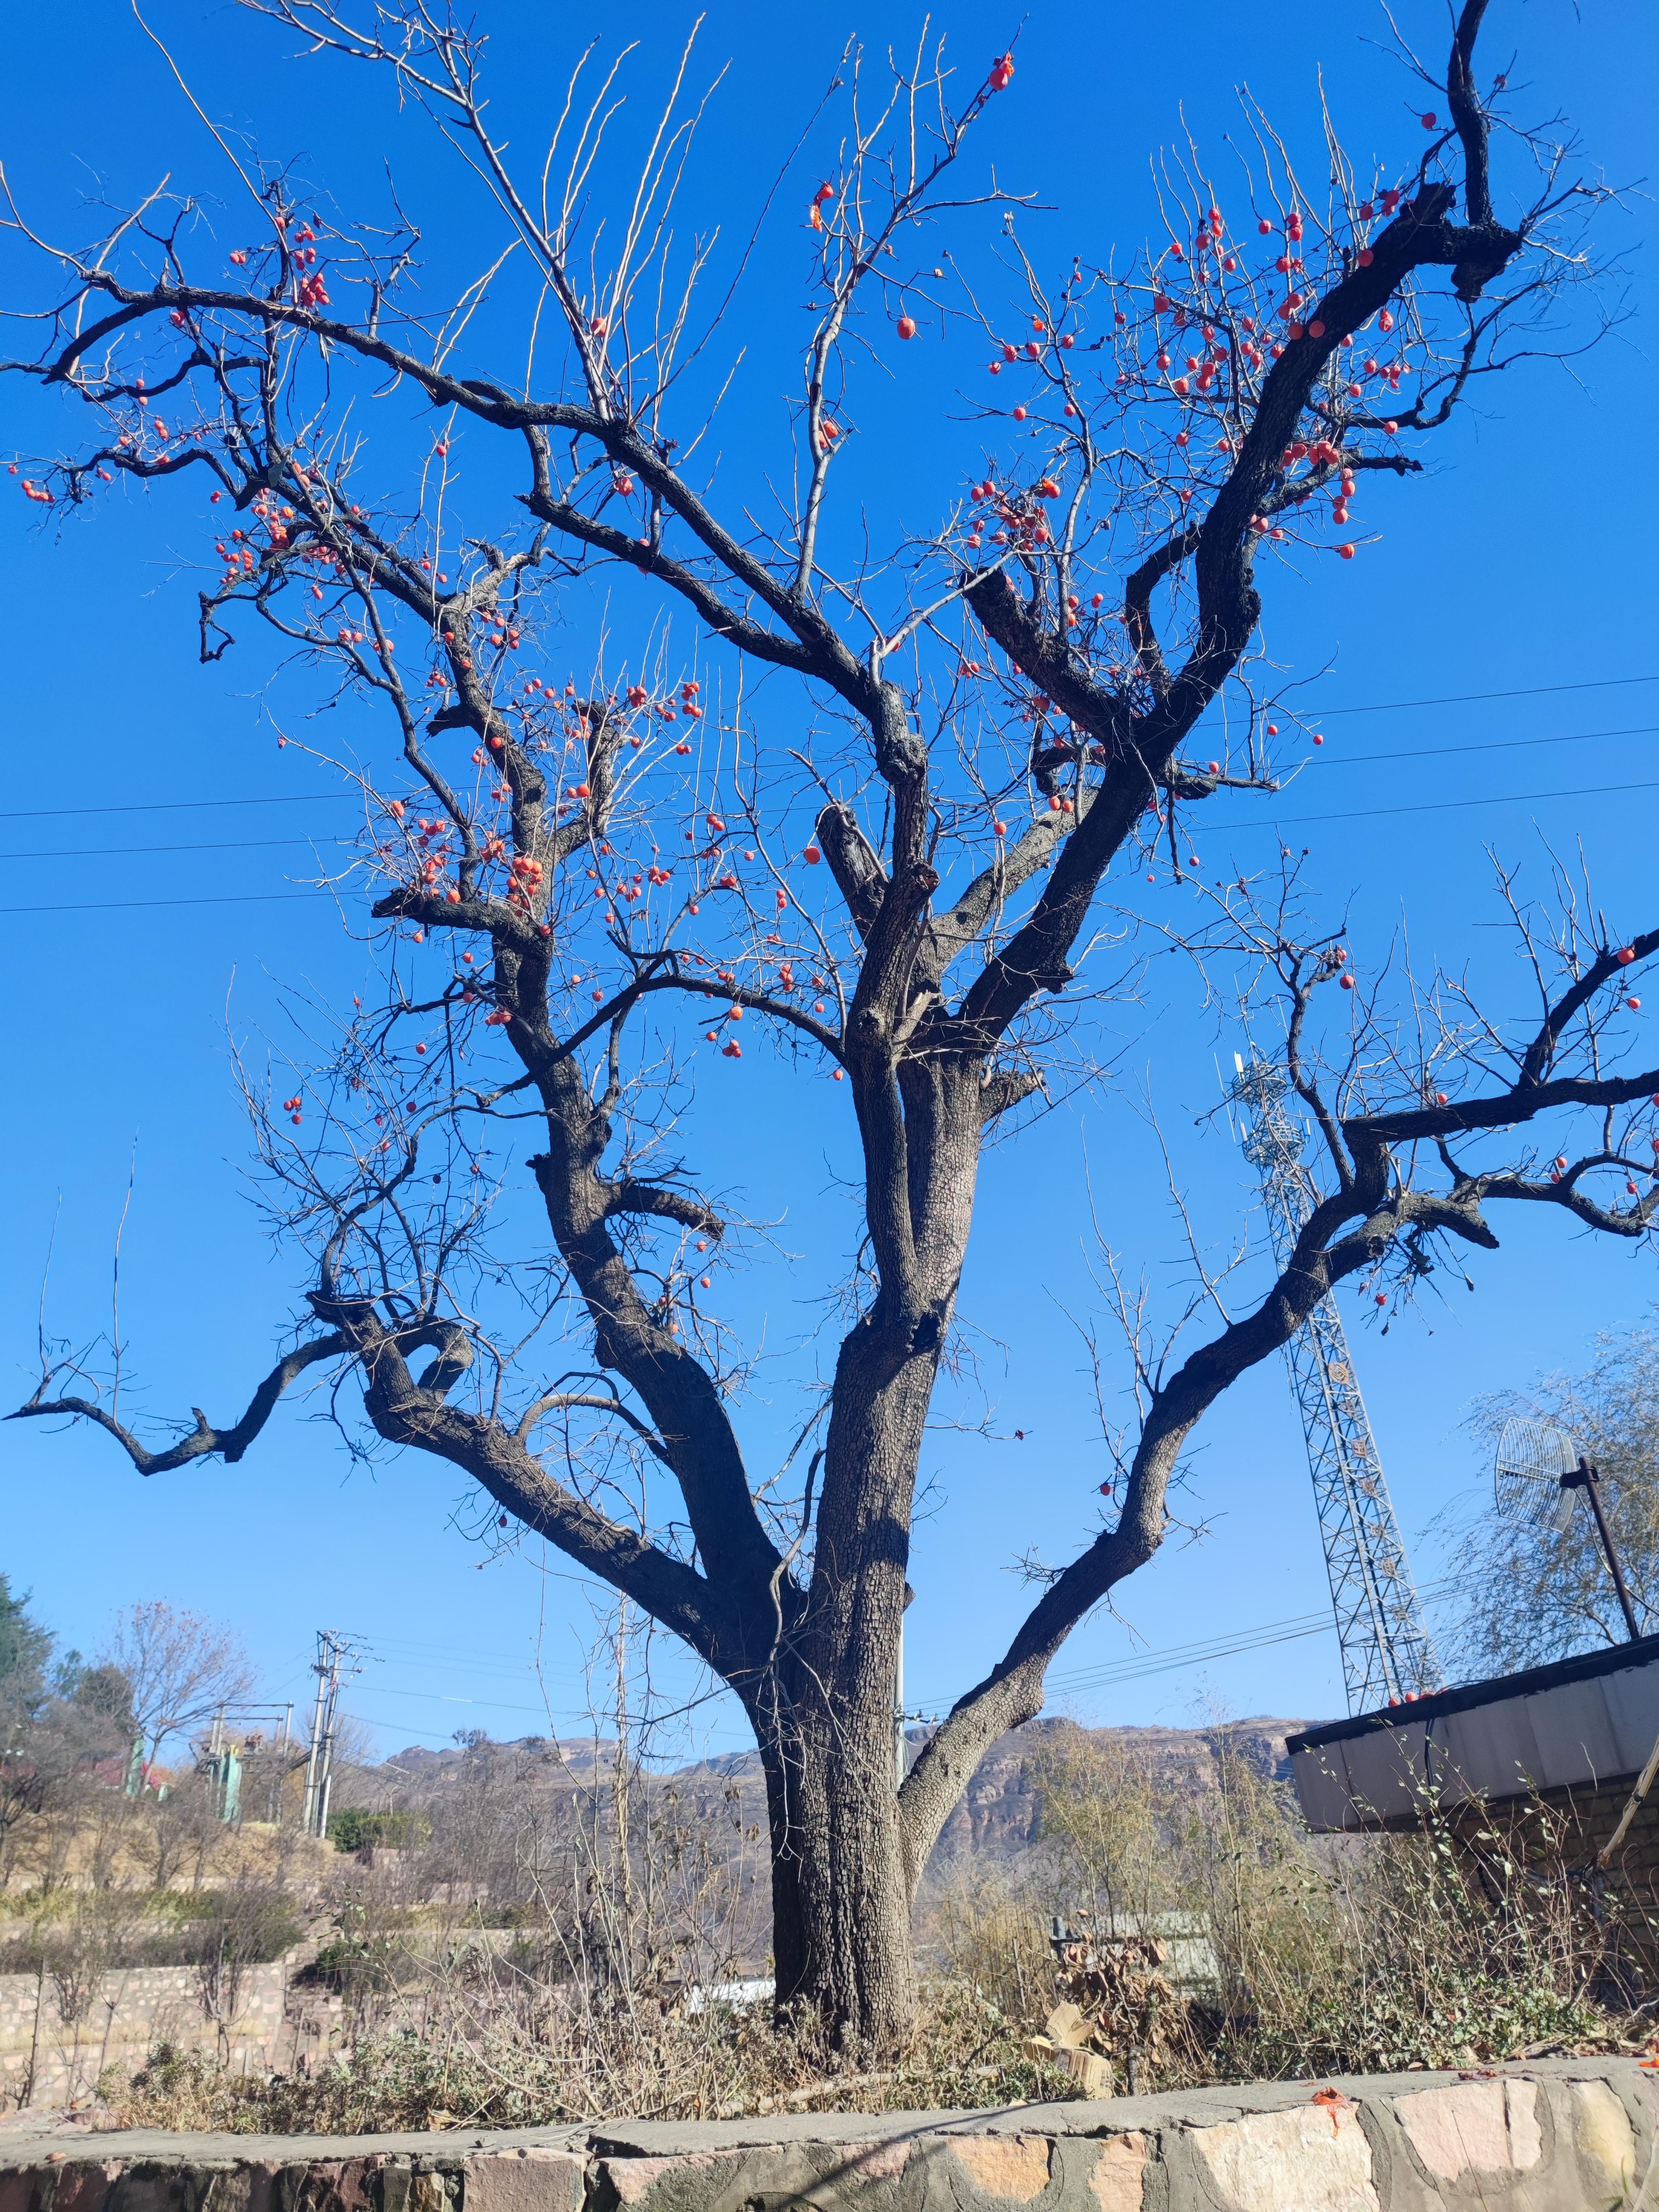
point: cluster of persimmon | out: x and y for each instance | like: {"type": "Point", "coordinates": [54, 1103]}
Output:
{"type": "Point", "coordinates": [310, 289]}
{"type": "Point", "coordinates": [617, 884]}
{"type": "Point", "coordinates": [239, 556]}
{"type": "Point", "coordinates": [146, 428]}
{"type": "Point", "coordinates": [666, 710]}
{"type": "Point", "coordinates": [1018, 515]}
{"type": "Point", "coordinates": [1235, 322]}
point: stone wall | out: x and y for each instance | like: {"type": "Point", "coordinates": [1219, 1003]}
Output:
{"type": "Point", "coordinates": [1573, 1825]}
{"type": "Point", "coordinates": [55, 2043]}
{"type": "Point", "coordinates": [1559, 2136]}
{"type": "Point", "coordinates": [1583, 1820]}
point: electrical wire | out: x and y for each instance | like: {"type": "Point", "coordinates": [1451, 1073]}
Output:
{"type": "Point", "coordinates": [1137, 1666]}
{"type": "Point", "coordinates": [1177, 1658]}
{"type": "Point", "coordinates": [439, 1697]}
{"type": "Point", "coordinates": [1224, 829]}
{"type": "Point", "coordinates": [267, 844]}
{"type": "Point", "coordinates": [1382, 706]}
{"type": "Point", "coordinates": [1300, 1624]}
{"type": "Point", "coordinates": [1422, 752]}
{"type": "Point", "coordinates": [174, 805]}
{"type": "Point", "coordinates": [1219, 828]}
{"type": "Point", "coordinates": [1486, 745]}
{"type": "Point", "coordinates": [1472, 698]}
{"type": "Point", "coordinates": [92, 907]}
{"type": "Point", "coordinates": [1426, 806]}
{"type": "Point", "coordinates": [122, 852]}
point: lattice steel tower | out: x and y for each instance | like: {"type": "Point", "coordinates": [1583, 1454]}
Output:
{"type": "Point", "coordinates": [1387, 1650]}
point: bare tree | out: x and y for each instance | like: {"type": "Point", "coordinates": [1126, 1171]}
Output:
{"type": "Point", "coordinates": [1533, 1591]}
{"type": "Point", "coordinates": [181, 1667]}
{"type": "Point", "coordinates": [1000, 705]}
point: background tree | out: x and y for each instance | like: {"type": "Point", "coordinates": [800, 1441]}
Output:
{"type": "Point", "coordinates": [25, 1648]}
{"type": "Point", "coordinates": [571, 880]}
{"type": "Point", "coordinates": [1532, 1592]}
{"type": "Point", "coordinates": [179, 1667]}
{"type": "Point", "coordinates": [60, 1725]}
{"type": "Point", "coordinates": [102, 1693]}
{"type": "Point", "coordinates": [26, 1769]}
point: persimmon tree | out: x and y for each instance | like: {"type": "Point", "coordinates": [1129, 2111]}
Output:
{"type": "Point", "coordinates": [589, 893]}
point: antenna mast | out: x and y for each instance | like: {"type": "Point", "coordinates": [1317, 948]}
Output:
{"type": "Point", "coordinates": [1387, 1652]}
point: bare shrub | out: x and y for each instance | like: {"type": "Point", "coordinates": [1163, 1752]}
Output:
{"type": "Point", "coordinates": [179, 1668]}
{"type": "Point", "coordinates": [552, 1980]}
{"type": "Point", "coordinates": [1348, 1954]}
{"type": "Point", "coordinates": [247, 1922]}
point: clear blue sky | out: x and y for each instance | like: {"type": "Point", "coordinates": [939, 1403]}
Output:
{"type": "Point", "coordinates": [1521, 562]}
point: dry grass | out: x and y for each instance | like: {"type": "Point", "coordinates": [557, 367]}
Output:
{"type": "Point", "coordinates": [488, 2068]}
{"type": "Point", "coordinates": [1319, 1956]}
{"type": "Point", "coordinates": [531, 1963]}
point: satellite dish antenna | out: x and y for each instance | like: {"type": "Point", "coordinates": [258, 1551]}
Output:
{"type": "Point", "coordinates": [1538, 1475]}
{"type": "Point", "coordinates": [1532, 1459]}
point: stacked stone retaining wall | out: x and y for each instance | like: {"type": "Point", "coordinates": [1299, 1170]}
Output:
{"type": "Point", "coordinates": [1572, 1826]}
{"type": "Point", "coordinates": [55, 2044]}
{"type": "Point", "coordinates": [1551, 2136]}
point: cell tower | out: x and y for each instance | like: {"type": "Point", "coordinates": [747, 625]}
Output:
{"type": "Point", "coordinates": [1387, 1650]}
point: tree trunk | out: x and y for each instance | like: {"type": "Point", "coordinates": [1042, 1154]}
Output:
{"type": "Point", "coordinates": [841, 1895]}
{"type": "Point", "coordinates": [855, 1895]}
{"type": "Point", "coordinates": [842, 1882]}
{"type": "Point", "coordinates": [842, 1887]}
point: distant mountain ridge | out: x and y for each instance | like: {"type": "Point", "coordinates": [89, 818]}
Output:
{"type": "Point", "coordinates": [995, 1824]}
{"type": "Point", "coordinates": [997, 1821]}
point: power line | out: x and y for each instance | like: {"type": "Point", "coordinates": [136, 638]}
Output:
{"type": "Point", "coordinates": [123, 852]}
{"type": "Point", "coordinates": [265, 844]}
{"type": "Point", "coordinates": [1109, 1678]}
{"type": "Point", "coordinates": [174, 805]}
{"type": "Point", "coordinates": [1472, 698]}
{"type": "Point", "coordinates": [402, 1732]}
{"type": "Point", "coordinates": [1176, 1656]}
{"type": "Point", "coordinates": [259, 844]}
{"type": "Point", "coordinates": [439, 1697]}
{"type": "Point", "coordinates": [1170, 1659]}
{"type": "Point", "coordinates": [1348, 760]}
{"type": "Point", "coordinates": [1218, 829]}
{"type": "Point", "coordinates": [92, 907]}
{"type": "Point", "coordinates": [1429, 807]}
{"type": "Point", "coordinates": [1224, 829]}
{"type": "Point", "coordinates": [1173, 1658]}
{"type": "Point", "coordinates": [1183, 1655]}
{"type": "Point", "coordinates": [1486, 745]}
{"type": "Point", "coordinates": [1380, 707]}
{"type": "Point", "coordinates": [418, 1646]}
{"type": "Point", "coordinates": [1485, 798]}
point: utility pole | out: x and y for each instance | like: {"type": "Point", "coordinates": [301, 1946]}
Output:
{"type": "Point", "coordinates": [281, 1768]}
{"type": "Point", "coordinates": [1388, 1653]}
{"type": "Point", "coordinates": [898, 1712]}
{"type": "Point", "coordinates": [330, 1667]}
{"type": "Point", "coordinates": [307, 1817]}
{"type": "Point", "coordinates": [901, 1747]}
